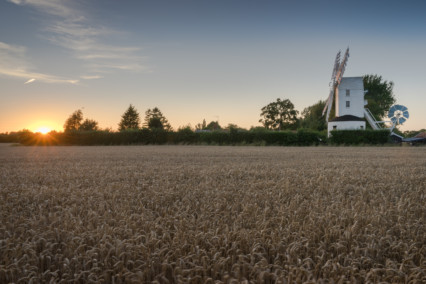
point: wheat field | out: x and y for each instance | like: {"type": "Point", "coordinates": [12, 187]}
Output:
{"type": "Point", "coordinates": [206, 214]}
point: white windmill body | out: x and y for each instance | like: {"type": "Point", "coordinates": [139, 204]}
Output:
{"type": "Point", "coordinates": [349, 105]}
{"type": "Point", "coordinates": [349, 99]}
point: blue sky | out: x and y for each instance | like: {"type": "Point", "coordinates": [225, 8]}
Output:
{"type": "Point", "coordinates": [218, 60]}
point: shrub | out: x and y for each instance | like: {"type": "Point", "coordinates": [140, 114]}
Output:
{"type": "Point", "coordinates": [183, 136]}
{"type": "Point", "coordinates": [12, 137]}
{"type": "Point", "coordinates": [355, 137]}
{"type": "Point", "coordinates": [309, 137]}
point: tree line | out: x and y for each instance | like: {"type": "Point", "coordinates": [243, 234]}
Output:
{"type": "Point", "coordinates": [130, 120]}
{"type": "Point", "coordinates": [278, 115]}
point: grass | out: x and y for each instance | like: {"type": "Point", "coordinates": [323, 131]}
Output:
{"type": "Point", "coordinates": [201, 214]}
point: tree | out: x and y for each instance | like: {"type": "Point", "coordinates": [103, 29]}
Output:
{"type": "Point", "coordinates": [154, 117]}
{"type": "Point", "coordinates": [232, 128]}
{"type": "Point", "coordinates": [201, 126]}
{"type": "Point", "coordinates": [279, 115]}
{"type": "Point", "coordinates": [130, 119]}
{"type": "Point", "coordinates": [155, 123]}
{"type": "Point", "coordinates": [89, 125]}
{"type": "Point", "coordinates": [379, 96]}
{"type": "Point", "coordinates": [213, 125]}
{"type": "Point", "coordinates": [312, 117]}
{"type": "Point", "coordinates": [73, 122]}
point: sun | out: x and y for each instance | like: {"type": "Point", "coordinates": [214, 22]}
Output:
{"type": "Point", "coordinates": [43, 130]}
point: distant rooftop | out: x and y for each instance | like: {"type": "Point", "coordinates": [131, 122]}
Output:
{"type": "Point", "coordinates": [421, 135]}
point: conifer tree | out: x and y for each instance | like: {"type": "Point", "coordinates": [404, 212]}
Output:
{"type": "Point", "coordinates": [154, 118]}
{"type": "Point", "coordinates": [129, 120]}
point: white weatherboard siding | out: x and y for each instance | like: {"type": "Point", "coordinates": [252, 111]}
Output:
{"type": "Point", "coordinates": [345, 125]}
{"type": "Point", "coordinates": [355, 98]}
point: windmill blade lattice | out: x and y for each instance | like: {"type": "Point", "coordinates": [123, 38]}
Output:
{"type": "Point", "coordinates": [336, 77]}
{"type": "Point", "coordinates": [398, 114]}
{"type": "Point", "coordinates": [342, 67]}
{"type": "Point", "coordinates": [336, 67]}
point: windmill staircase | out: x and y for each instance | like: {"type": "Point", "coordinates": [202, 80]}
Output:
{"type": "Point", "coordinates": [371, 120]}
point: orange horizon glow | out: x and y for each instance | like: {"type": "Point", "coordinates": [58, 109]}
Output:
{"type": "Point", "coordinates": [43, 126]}
{"type": "Point", "coordinates": [43, 130]}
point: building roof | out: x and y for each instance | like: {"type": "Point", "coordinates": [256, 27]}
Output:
{"type": "Point", "coordinates": [421, 135]}
{"type": "Point", "coordinates": [347, 118]}
{"type": "Point", "coordinates": [414, 139]}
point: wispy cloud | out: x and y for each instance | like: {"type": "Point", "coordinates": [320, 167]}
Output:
{"type": "Point", "coordinates": [53, 7]}
{"type": "Point", "coordinates": [103, 68]}
{"type": "Point", "coordinates": [69, 28]}
{"type": "Point", "coordinates": [13, 63]}
{"type": "Point", "coordinates": [30, 81]}
{"type": "Point", "coordinates": [91, 77]}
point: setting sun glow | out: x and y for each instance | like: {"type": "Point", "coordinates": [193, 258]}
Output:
{"type": "Point", "coordinates": [43, 130]}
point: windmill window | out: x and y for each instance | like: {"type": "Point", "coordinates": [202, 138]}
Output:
{"type": "Point", "coordinates": [348, 104]}
{"type": "Point", "coordinates": [348, 92]}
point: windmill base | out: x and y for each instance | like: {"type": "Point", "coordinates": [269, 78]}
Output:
{"type": "Point", "coordinates": [345, 125]}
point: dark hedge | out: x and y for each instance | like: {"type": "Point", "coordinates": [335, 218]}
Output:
{"type": "Point", "coordinates": [183, 136]}
{"type": "Point", "coordinates": [355, 137]}
{"type": "Point", "coordinates": [186, 136]}
{"type": "Point", "coordinates": [9, 137]}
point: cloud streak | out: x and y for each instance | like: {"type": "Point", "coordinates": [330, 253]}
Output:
{"type": "Point", "coordinates": [13, 63]}
{"type": "Point", "coordinates": [91, 77]}
{"type": "Point", "coordinates": [53, 7]}
{"type": "Point", "coordinates": [67, 27]}
{"type": "Point", "coordinates": [30, 81]}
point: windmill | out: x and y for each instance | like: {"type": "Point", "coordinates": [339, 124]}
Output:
{"type": "Point", "coordinates": [336, 78]}
{"type": "Point", "coordinates": [347, 95]}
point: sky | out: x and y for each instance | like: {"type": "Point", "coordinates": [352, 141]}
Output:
{"type": "Point", "coordinates": [218, 60]}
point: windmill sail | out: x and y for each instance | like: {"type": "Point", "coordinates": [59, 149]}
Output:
{"type": "Point", "coordinates": [342, 67]}
{"type": "Point", "coordinates": [336, 66]}
{"type": "Point", "coordinates": [329, 104]}
{"type": "Point", "coordinates": [336, 77]}
{"type": "Point", "coordinates": [329, 101]}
